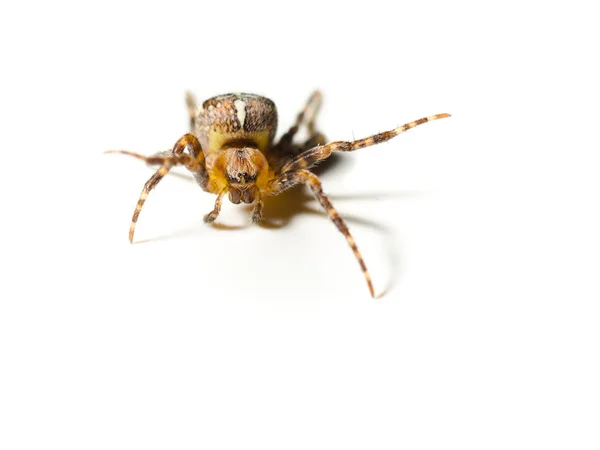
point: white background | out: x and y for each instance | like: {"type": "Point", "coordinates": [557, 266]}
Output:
{"type": "Point", "coordinates": [481, 230]}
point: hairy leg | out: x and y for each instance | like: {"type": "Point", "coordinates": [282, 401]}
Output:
{"type": "Point", "coordinates": [211, 216]}
{"type": "Point", "coordinates": [314, 140]}
{"type": "Point", "coordinates": [315, 101]}
{"type": "Point", "coordinates": [258, 209]}
{"type": "Point", "coordinates": [290, 179]}
{"type": "Point", "coordinates": [175, 157]}
{"type": "Point", "coordinates": [192, 107]}
{"type": "Point", "coordinates": [321, 152]}
{"type": "Point", "coordinates": [308, 114]}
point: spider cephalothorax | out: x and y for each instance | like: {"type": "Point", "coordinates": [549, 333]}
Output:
{"type": "Point", "coordinates": [239, 170]}
{"type": "Point", "coordinates": [231, 150]}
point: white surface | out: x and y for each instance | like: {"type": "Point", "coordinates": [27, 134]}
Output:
{"type": "Point", "coordinates": [482, 228]}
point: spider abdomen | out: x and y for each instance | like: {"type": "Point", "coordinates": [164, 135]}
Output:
{"type": "Point", "coordinates": [236, 117]}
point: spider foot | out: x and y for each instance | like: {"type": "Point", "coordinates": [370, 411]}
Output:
{"type": "Point", "coordinates": [257, 212]}
{"type": "Point", "coordinates": [256, 217]}
{"type": "Point", "coordinates": [210, 217]}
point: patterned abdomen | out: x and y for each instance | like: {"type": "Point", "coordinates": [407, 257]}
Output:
{"type": "Point", "coordinates": [236, 117]}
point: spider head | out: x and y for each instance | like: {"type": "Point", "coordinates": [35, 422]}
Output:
{"type": "Point", "coordinates": [243, 168]}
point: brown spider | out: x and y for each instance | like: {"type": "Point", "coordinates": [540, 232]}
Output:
{"type": "Point", "coordinates": [231, 151]}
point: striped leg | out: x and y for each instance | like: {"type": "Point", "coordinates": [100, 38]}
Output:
{"type": "Point", "coordinates": [309, 114]}
{"type": "Point", "coordinates": [321, 152]}
{"type": "Point", "coordinates": [257, 210]}
{"type": "Point", "coordinates": [192, 107]}
{"type": "Point", "coordinates": [211, 216]}
{"type": "Point", "coordinates": [305, 177]}
{"type": "Point", "coordinates": [193, 163]}
{"type": "Point", "coordinates": [314, 140]}
{"type": "Point", "coordinates": [315, 101]}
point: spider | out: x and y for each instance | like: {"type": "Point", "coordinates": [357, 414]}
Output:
{"type": "Point", "coordinates": [231, 150]}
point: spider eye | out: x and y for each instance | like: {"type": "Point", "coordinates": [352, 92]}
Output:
{"type": "Point", "coordinates": [242, 178]}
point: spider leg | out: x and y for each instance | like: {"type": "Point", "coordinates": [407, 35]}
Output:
{"type": "Point", "coordinates": [194, 164]}
{"type": "Point", "coordinates": [315, 100]}
{"type": "Point", "coordinates": [321, 152]}
{"type": "Point", "coordinates": [314, 140]}
{"type": "Point", "coordinates": [290, 179]}
{"type": "Point", "coordinates": [192, 107]}
{"type": "Point", "coordinates": [258, 209]}
{"type": "Point", "coordinates": [308, 114]}
{"type": "Point", "coordinates": [211, 216]}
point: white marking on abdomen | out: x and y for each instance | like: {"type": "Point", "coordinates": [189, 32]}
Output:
{"type": "Point", "coordinates": [240, 107]}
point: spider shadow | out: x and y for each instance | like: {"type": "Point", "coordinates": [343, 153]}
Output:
{"type": "Point", "coordinates": [281, 209]}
